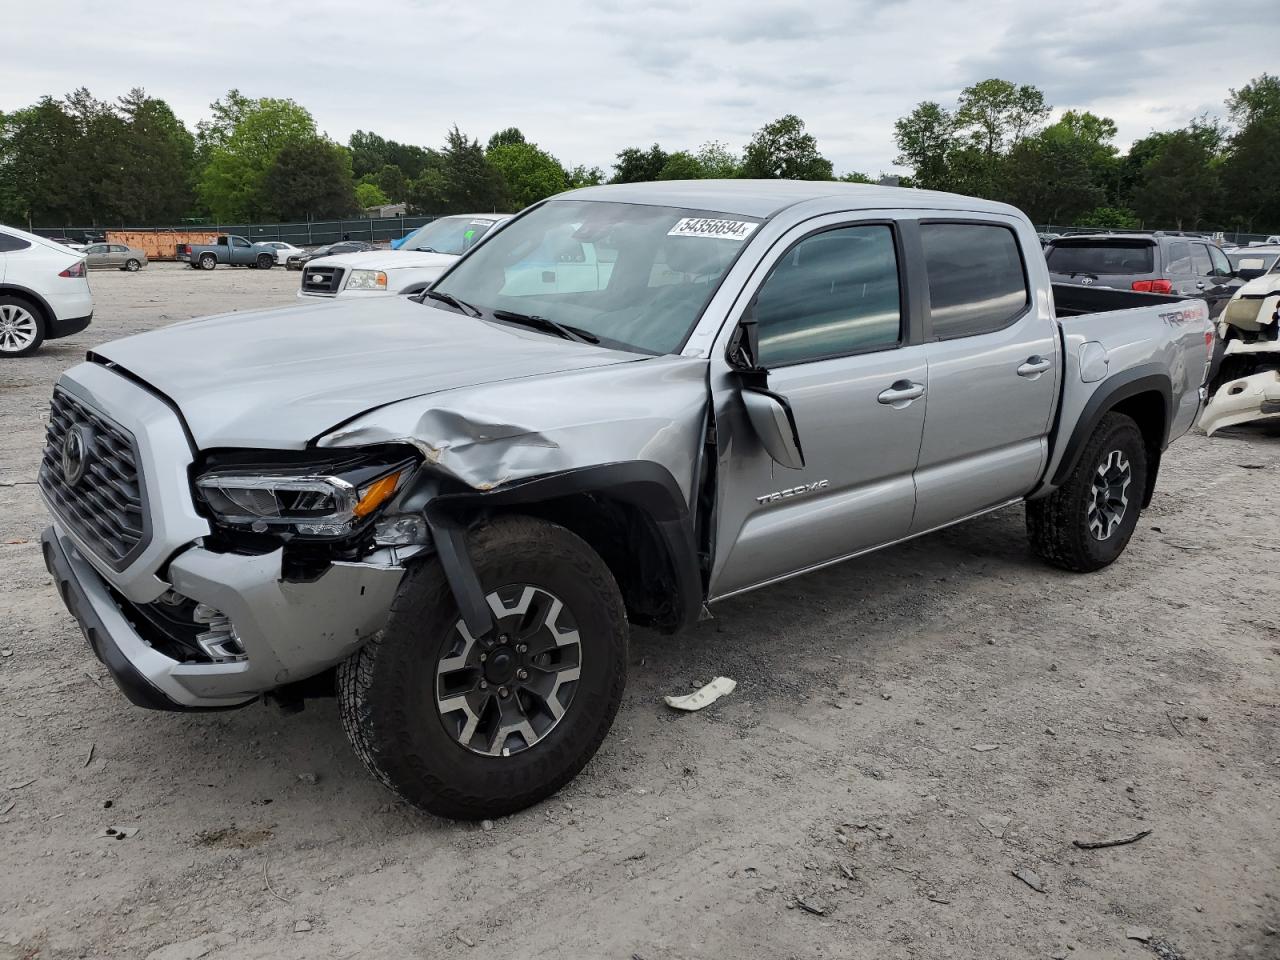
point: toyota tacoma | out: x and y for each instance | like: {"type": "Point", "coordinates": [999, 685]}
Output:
{"type": "Point", "coordinates": [451, 508]}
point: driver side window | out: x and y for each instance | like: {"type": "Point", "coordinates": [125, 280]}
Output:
{"type": "Point", "coordinates": [832, 294]}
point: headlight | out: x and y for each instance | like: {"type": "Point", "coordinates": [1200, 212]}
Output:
{"type": "Point", "coordinates": [327, 501]}
{"type": "Point", "coordinates": [367, 280]}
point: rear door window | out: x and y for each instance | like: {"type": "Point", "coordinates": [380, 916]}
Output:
{"type": "Point", "coordinates": [1100, 257]}
{"type": "Point", "coordinates": [977, 282]}
{"type": "Point", "coordinates": [1221, 265]}
{"type": "Point", "coordinates": [1179, 259]}
{"type": "Point", "coordinates": [1200, 264]}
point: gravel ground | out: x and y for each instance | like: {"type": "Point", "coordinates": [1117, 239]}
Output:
{"type": "Point", "coordinates": [909, 730]}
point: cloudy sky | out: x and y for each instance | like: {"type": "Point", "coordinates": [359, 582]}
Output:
{"type": "Point", "coordinates": [584, 78]}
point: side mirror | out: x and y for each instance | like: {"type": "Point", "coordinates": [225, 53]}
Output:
{"type": "Point", "coordinates": [770, 413]}
{"type": "Point", "coordinates": [775, 425]}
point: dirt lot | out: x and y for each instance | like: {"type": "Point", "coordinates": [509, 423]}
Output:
{"type": "Point", "coordinates": [845, 772]}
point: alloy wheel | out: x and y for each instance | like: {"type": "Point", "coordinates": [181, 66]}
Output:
{"type": "Point", "coordinates": [1109, 495]}
{"type": "Point", "coordinates": [18, 328]}
{"type": "Point", "coordinates": [503, 693]}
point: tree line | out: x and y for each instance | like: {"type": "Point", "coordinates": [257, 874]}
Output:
{"type": "Point", "coordinates": [83, 161]}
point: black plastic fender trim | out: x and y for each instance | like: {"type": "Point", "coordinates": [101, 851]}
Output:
{"type": "Point", "coordinates": [644, 484]}
{"type": "Point", "coordinates": [1146, 378]}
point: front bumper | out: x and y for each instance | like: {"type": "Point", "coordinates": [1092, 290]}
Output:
{"type": "Point", "coordinates": [289, 631]}
{"type": "Point", "coordinates": [1256, 397]}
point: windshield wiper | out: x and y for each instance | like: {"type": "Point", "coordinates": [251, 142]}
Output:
{"type": "Point", "coordinates": [543, 323]}
{"type": "Point", "coordinates": [451, 300]}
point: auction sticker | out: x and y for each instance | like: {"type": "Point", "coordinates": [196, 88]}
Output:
{"type": "Point", "coordinates": [721, 229]}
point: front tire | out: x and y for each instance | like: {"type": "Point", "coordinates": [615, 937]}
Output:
{"type": "Point", "coordinates": [1086, 523]}
{"type": "Point", "coordinates": [471, 728]}
{"type": "Point", "coordinates": [266, 262]}
{"type": "Point", "coordinates": [132, 265]}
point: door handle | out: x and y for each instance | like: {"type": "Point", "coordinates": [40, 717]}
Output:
{"type": "Point", "coordinates": [901, 393]}
{"type": "Point", "coordinates": [1034, 366]}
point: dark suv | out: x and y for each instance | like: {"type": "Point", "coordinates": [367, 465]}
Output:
{"type": "Point", "coordinates": [1153, 263]}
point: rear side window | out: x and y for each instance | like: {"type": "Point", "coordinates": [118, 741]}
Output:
{"type": "Point", "coordinates": [1179, 258]}
{"type": "Point", "coordinates": [1102, 256]}
{"type": "Point", "coordinates": [832, 294]}
{"type": "Point", "coordinates": [8, 244]}
{"type": "Point", "coordinates": [1221, 266]}
{"type": "Point", "coordinates": [977, 283]}
{"type": "Point", "coordinates": [1200, 264]}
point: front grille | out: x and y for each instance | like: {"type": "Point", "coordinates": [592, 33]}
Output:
{"type": "Point", "coordinates": [105, 504]}
{"type": "Point", "coordinates": [321, 279]}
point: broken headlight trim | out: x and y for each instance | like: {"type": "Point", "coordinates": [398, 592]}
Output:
{"type": "Point", "coordinates": [306, 502]}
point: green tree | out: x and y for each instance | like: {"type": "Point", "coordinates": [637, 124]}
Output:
{"type": "Point", "coordinates": [1062, 171]}
{"type": "Point", "coordinates": [1180, 182]}
{"type": "Point", "coordinates": [926, 139]}
{"type": "Point", "coordinates": [370, 195]}
{"type": "Point", "coordinates": [1113, 218]}
{"type": "Point", "coordinates": [1251, 168]}
{"type": "Point", "coordinates": [639, 166]}
{"type": "Point", "coordinates": [505, 138]}
{"type": "Point", "coordinates": [781, 150]}
{"type": "Point", "coordinates": [681, 165]}
{"type": "Point", "coordinates": [718, 162]}
{"type": "Point", "coordinates": [158, 154]}
{"type": "Point", "coordinates": [242, 146]}
{"type": "Point", "coordinates": [391, 180]}
{"type": "Point", "coordinates": [308, 179]}
{"type": "Point", "coordinates": [998, 114]}
{"type": "Point", "coordinates": [464, 181]}
{"type": "Point", "coordinates": [40, 166]}
{"type": "Point", "coordinates": [854, 177]}
{"type": "Point", "coordinates": [581, 176]}
{"type": "Point", "coordinates": [530, 174]}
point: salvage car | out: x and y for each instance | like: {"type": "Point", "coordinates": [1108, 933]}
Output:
{"type": "Point", "coordinates": [114, 256]}
{"type": "Point", "coordinates": [44, 292]}
{"type": "Point", "coordinates": [420, 259]}
{"type": "Point", "coordinates": [1246, 371]}
{"type": "Point", "coordinates": [228, 249]}
{"type": "Point", "coordinates": [457, 504]}
{"type": "Point", "coordinates": [1186, 266]}
{"type": "Point", "coordinates": [298, 259]}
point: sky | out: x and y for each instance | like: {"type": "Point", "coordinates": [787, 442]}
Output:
{"type": "Point", "coordinates": [586, 78]}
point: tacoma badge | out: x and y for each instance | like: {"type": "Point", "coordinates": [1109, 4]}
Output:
{"type": "Point", "coordinates": [793, 491]}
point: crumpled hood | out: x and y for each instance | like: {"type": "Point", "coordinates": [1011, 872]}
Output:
{"type": "Point", "coordinates": [384, 260]}
{"type": "Point", "coordinates": [278, 378]}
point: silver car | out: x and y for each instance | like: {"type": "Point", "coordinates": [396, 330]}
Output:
{"type": "Point", "coordinates": [628, 404]}
{"type": "Point", "coordinates": [114, 256]}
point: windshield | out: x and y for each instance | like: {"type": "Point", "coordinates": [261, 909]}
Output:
{"type": "Point", "coordinates": [635, 276]}
{"type": "Point", "coordinates": [453, 235]}
{"type": "Point", "coordinates": [1101, 256]}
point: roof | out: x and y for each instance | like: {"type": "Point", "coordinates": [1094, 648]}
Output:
{"type": "Point", "coordinates": [766, 198]}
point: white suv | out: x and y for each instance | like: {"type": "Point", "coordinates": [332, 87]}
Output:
{"type": "Point", "coordinates": [44, 292]}
{"type": "Point", "coordinates": [422, 257]}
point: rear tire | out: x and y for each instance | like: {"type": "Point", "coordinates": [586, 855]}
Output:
{"type": "Point", "coordinates": [208, 261]}
{"type": "Point", "coordinates": [22, 327]}
{"type": "Point", "coordinates": [420, 700]}
{"type": "Point", "coordinates": [1086, 523]}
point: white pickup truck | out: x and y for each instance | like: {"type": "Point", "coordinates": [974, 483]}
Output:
{"type": "Point", "coordinates": [425, 254]}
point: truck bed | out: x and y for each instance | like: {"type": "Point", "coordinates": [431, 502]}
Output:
{"type": "Point", "coordinates": [1075, 299]}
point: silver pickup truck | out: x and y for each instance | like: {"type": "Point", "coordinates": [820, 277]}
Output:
{"type": "Point", "coordinates": [464, 508]}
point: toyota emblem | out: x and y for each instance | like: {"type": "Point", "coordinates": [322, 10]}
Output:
{"type": "Point", "coordinates": [77, 447]}
{"type": "Point", "coordinates": [1087, 281]}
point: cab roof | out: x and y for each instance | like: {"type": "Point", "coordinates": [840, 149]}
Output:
{"type": "Point", "coordinates": [766, 198]}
